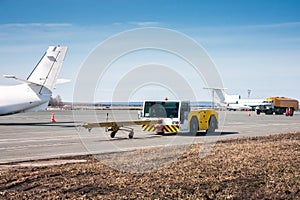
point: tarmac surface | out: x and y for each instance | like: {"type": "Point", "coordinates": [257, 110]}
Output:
{"type": "Point", "coordinates": [31, 136]}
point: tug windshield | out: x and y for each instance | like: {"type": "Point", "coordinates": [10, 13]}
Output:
{"type": "Point", "coordinates": [161, 109]}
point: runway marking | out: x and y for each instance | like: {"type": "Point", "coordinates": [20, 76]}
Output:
{"type": "Point", "coordinates": [35, 146]}
{"type": "Point", "coordinates": [45, 139]}
{"type": "Point", "coordinates": [42, 156]}
{"type": "Point", "coordinates": [267, 124]}
{"type": "Point", "coordinates": [24, 140]}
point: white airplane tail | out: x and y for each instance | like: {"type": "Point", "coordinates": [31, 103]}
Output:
{"type": "Point", "coordinates": [35, 92]}
{"type": "Point", "coordinates": [223, 97]}
{"type": "Point", "coordinates": [46, 71]}
{"type": "Point", "coordinates": [231, 99]}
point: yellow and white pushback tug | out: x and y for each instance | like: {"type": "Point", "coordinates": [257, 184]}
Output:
{"type": "Point", "coordinates": [167, 116]}
{"type": "Point", "coordinates": [174, 116]}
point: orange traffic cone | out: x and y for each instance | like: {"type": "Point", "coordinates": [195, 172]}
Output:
{"type": "Point", "coordinates": [52, 118]}
{"type": "Point", "coordinates": [249, 114]}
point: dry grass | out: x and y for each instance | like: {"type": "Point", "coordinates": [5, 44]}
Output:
{"type": "Point", "coordinates": [251, 168]}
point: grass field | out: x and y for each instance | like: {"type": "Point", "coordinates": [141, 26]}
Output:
{"type": "Point", "coordinates": [250, 168]}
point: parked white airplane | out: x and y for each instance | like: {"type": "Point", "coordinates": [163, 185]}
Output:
{"type": "Point", "coordinates": [234, 102]}
{"type": "Point", "coordinates": [34, 93]}
{"type": "Point", "coordinates": [245, 104]}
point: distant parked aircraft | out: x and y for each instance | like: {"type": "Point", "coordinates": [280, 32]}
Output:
{"type": "Point", "coordinates": [234, 102]}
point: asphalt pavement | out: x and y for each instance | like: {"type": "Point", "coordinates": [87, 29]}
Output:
{"type": "Point", "coordinates": [32, 136]}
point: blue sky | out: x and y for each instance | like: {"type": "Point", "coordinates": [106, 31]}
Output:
{"type": "Point", "coordinates": [254, 44]}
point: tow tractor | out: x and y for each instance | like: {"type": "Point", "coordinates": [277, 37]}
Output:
{"type": "Point", "coordinates": [166, 116]}
{"type": "Point", "coordinates": [174, 116]}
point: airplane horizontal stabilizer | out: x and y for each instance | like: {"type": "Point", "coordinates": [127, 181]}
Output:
{"type": "Point", "coordinates": [21, 80]}
{"type": "Point", "coordinates": [62, 81]}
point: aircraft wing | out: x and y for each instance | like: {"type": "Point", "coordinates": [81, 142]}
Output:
{"type": "Point", "coordinates": [115, 126]}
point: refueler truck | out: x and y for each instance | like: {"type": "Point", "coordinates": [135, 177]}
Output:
{"type": "Point", "coordinates": [166, 116]}
{"type": "Point", "coordinates": [278, 106]}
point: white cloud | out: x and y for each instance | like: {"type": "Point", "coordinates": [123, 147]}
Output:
{"type": "Point", "coordinates": [236, 28]}
{"type": "Point", "coordinates": [35, 25]}
{"type": "Point", "coordinates": [138, 23]}
{"type": "Point", "coordinates": [145, 23]}
{"type": "Point", "coordinates": [275, 25]}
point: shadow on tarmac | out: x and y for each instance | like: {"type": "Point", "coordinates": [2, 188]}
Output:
{"type": "Point", "coordinates": [68, 124]}
{"type": "Point", "coordinates": [202, 134]}
{"type": "Point", "coordinates": [123, 136]}
{"type": "Point", "coordinates": [120, 138]}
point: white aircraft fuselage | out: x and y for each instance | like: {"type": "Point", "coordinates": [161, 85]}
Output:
{"type": "Point", "coordinates": [245, 104]}
{"type": "Point", "coordinates": [21, 98]}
